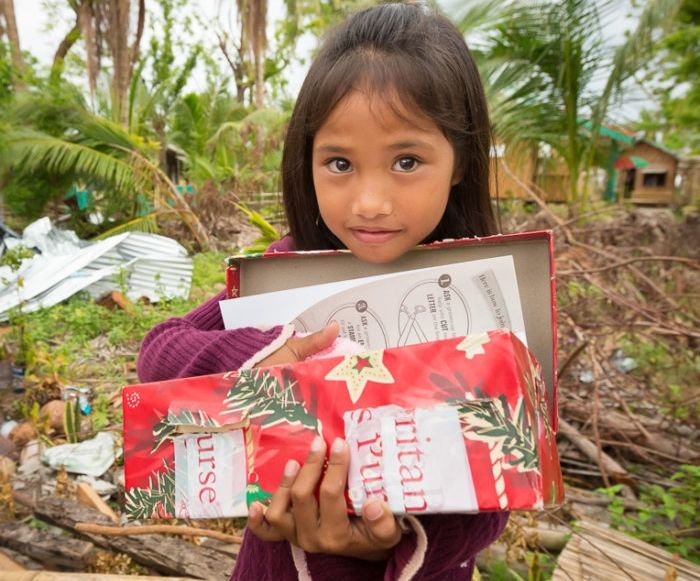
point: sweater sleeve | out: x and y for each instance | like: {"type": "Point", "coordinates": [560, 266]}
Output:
{"type": "Point", "coordinates": [198, 344]}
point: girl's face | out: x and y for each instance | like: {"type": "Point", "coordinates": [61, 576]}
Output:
{"type": "Point", "coordinates": [382, 183]}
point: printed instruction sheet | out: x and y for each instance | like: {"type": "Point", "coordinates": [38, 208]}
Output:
{"type": "Point", "coordinates": [396, 309]}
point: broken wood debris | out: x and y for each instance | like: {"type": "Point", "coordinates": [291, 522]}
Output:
{"type": "Point", "coordinates": [168, 555]}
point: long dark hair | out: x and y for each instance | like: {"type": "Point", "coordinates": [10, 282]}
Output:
{"type": "Point", "coordinates": [419, 56]}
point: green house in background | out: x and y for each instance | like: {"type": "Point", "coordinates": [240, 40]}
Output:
{"type": "Point", "coordinates": [639, 170]}
{"type": "Point", "coordinates": [78, 199]}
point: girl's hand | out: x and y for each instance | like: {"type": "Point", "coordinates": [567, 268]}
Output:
{"type": "Point", "coordinates": [299, 348]}
{"type": "Point", "coordinates": [324, 526]}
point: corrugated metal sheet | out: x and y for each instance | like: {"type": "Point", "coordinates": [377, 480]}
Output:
{"type": "Point", "coordinates": [145, 265]}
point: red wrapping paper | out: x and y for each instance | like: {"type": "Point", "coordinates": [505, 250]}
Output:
{"type": "Point", "coordinates": [459, 425]}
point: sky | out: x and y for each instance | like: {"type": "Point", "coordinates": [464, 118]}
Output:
{"type": "Point", "coordinates": [41, 32]}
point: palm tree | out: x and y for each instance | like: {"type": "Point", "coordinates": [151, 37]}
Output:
{"type": "Point", "coordinates": [98, 152]}
{"type": "Point", "coordinates": [253, 19]}
{"type": "Point", "coordinates": [105, 27]}
{"type": "Point", "coordinates": [548, 67]}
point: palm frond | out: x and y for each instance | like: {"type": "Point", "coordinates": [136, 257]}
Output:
{"type": "Point", "coordinates": [31, 150]}
{"type": "Point", "coordinates": [268, 231]}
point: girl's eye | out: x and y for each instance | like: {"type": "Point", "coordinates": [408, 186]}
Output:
{"type": "Point", "coordinates": [339, 165]}
{"type": "Point", "coordinates": [406, 164]}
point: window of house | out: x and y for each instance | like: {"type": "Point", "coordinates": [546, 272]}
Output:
{"type": "Point", "coordinates": [654, 179]}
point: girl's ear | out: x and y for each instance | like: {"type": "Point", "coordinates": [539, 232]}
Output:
{"type": "Point", "coordinates": [457, 175]}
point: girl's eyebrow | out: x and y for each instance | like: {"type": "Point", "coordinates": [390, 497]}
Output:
{"type": "Point", "coordinates": [330, 148]}
{"type": "Point", "coordinates": [412, 144]}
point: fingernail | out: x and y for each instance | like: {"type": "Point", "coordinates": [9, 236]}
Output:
{"type": "Point", "coordinates": [373, 508]}
{"type": "Point", "coordinates": [254, 509]}
{"type": "Point", "coordinates": [291, 468]}
{"type": "Point", "coordinates": [338, 445]}
{"type": "Point", "coordinates": [317, 444]}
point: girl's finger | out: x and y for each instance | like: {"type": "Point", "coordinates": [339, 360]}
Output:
{"type": "Point", "coordinates": [380, 523]}
{"type": "Point", "coordinates": [277, 514]}
{"type": "Point", "coordinates": [303, 492]}
{"type": "Point", "coordinates": [332, 506]}
{"type": "Point", "coordinates": [259, 526]}
{"type": "Point", "coordinates": [309, 345]}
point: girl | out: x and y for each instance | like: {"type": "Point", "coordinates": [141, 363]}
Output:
{"type": "Point", "coordinates": [388, 147]}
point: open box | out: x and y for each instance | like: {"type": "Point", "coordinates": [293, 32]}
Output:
{"type": "Point", "coordinates": [532, 252]}
{"type": "Point", "coordinates": [209, 446]}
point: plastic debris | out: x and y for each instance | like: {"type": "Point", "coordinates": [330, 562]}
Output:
{"type": "Point", "coordinates": [101, 487]}
{"type": "Point", "coordinates": [586, 376]}
{"type": "Point", "coordinates": [92, 457]}
{"type": "Point", "coordinates": [7, 427]}
{"type": "Point", "coordinates": [623, 363]}
{"type": "Point", "coordinates": [81, 394]}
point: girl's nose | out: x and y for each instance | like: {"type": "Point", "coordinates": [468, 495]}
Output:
{"type": "Point", "coordinates": [371, 200]}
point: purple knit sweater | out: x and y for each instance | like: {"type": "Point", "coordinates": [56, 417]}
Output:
{"type": "Point", "coordinates": [439, 547]}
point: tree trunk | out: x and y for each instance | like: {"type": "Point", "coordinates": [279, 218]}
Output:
{"type": "Point", "coordinates": [118, 39]}
{"type": "Point", "coordinates": [259, 47]}
{"type": "Point", "coordinates": [253, 19]}
{"type": "Point", "coordinates": [8, 11]}
{"type": "Point", "coordinates": [86, 19]}
{"type": "Point", "coordinates": [136, 46]}
{"type": "Point", "coordinates": [66, 44]}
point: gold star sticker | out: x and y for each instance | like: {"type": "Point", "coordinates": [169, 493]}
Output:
{"type": "Point", "coordinates": [357, 370]}
{"type": "Point", "coordinates": [473, 345]}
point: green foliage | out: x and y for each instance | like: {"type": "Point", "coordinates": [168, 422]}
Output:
{"type": "Point", "coordinates": [669, 371]}
{"type": "Point", "coordinates": [674, 77]}
{"type": "Point", "coordinates": [159, 81]}
{"type": "Point", "coordinates": [209, 269]}
{"type": "Point", "coordinates": [14, 257]}
{"type": "Point", "coordinates": [669, 516]}
{"type": "Point", "coordinates": [268, 233]}
{"type": "Point", "coordinates": [500, 571]}
{"type": "Point", "coordinates": [71, 421]}
{"type": "Point", "coordinates": [21, 337]}
{"type": "Point", "coordinates": [103, 413]}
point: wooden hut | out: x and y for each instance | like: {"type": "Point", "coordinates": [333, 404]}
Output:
{"type": "Point", "coordinates": [646, 173]}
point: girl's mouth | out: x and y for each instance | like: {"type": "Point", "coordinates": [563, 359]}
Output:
{"type": "Point", "coordinates": [373, 236]}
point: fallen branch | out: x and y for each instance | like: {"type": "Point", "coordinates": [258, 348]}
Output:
{"type": "Point", "coordinates": [48, 548]}
{"type": "Point", "coordinates": [614, 470]}
{"type": "Point", "coordinates": [570, 359]}
{"type": "Point", "coordinates": [151, 529]}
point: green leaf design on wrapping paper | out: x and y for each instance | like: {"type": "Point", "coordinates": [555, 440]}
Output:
{"type": "Point", "coordinates": [158, 499]}
{"type": "Point", "coordinates": [166, 427]}
{"type": "Point", "coordinates": [491, 421]}
{"type": "Point", "coordinates": [261, 394]}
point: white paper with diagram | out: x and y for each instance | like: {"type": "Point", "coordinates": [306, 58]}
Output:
{"type": "Point", "coordinates": [424, 305]}
{"type": "Point", "coordinates": [403, 308]}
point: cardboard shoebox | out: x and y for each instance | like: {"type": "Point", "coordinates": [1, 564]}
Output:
{"type": "Point", "coordinates": [461, 424]}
